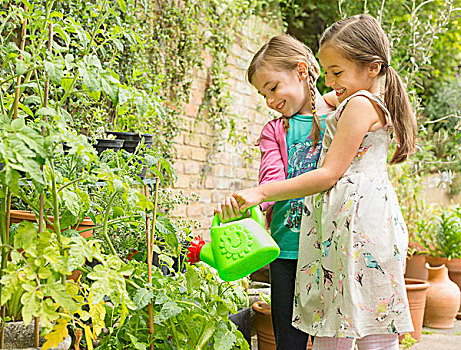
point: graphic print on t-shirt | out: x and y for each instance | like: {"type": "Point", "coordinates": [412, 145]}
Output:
{"type": "Point", "coordinates": [302, 157]}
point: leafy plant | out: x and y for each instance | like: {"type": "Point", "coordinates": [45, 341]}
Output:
{"type": "Point", "coordinates": [440, 232]}
{"type": "Point", "coordinates": [190, 311]}
{"type": "Point", "coordinates": [408, 341]}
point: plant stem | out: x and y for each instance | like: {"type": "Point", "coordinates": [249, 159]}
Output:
{"type": "Point", "coordinates": [175, 335]}
{"type": "Point", "coordinates": [87, 51]}
{"type": "Point", "coordinates": [70, 183]}
{"type": "Point", "coordinates": [19, 75]}
{"type": "Point", "coordinates": [56, 220]}
{"type": "Point", "coordinates": [105, 224]}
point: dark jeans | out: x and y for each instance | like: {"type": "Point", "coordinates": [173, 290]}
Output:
{"type": "Point", "coordinates": [283, 275]}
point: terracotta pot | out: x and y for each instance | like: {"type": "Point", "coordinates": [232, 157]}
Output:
{"type": "Point", "coordinates": [416, 293]}
{"type": "Point", "coordinates": [264, 330]}
{"type": "Point", "coordinates": [20, 215]}
{"type": "Point", "coordinates": [442, 299]}
{"type": "Point", "coordinates": [454, 272]}
{"type": "Point", "coordinates": [436, 261]}
{"type": "Point", "coordinates": [415, 267]}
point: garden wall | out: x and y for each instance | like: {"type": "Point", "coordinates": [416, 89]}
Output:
{"type": "Point", "coordinates": [206, 164]}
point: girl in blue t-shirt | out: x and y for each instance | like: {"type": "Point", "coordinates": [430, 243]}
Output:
{"type": "Point", "coordinates": [285, 71]}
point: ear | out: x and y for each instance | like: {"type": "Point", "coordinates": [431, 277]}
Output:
{"type": "Point", "coordinates": [303, 70]}
{"type": "Point", "coordinates": [374, 68]}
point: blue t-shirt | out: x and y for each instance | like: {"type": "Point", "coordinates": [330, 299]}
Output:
{"type": "Point", "coordinates": [302, 157]}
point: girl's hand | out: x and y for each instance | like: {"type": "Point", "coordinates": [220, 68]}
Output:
{"type": "Point", "coordinates": [229, 210]}
{"type": "Point", "coordinates": [248, 198]}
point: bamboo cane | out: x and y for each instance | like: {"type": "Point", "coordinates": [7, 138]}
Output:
{"type": "Point", "coordinates": [150, 252]}
{"type": "Point", "coordinates": [150, 307]}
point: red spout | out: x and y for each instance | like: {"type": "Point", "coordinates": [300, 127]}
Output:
{"type": "Point", "coordinates": [194, 249]}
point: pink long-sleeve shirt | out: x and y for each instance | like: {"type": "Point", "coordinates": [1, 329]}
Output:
{"type": "Point", "coordinates": [274, 158]}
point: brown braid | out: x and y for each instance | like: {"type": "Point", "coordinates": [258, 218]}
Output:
{"type": "Point", "coordinates": [315, 130]}
{"type": "Point", "coordinates": [286, 123]}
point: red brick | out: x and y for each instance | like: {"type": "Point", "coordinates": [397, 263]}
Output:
{"type": "Point", "coordinates": [194, 210]}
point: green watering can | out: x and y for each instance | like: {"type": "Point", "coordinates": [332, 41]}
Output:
{"type": "Point", "coordinates": [237, 248]}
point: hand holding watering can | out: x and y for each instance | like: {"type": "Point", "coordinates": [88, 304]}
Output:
{"type": "Point", "coordinates": [237, 248]}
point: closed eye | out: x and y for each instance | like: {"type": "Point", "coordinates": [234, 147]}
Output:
{"type": "Point", "coordinates": [274, 88]}
{"type": "Point", "coordinates": [337, 73]}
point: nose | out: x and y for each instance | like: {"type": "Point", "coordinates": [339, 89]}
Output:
{"type": "Point", "coordinates": [270, 102]}
{"type": "Point", "coordinates": [328, 80]}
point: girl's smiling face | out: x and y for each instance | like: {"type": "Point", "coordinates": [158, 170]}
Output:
{"type": "Point", "coordinates": [347, 77]}
{"type": "Point", "coordinates": [285, 92]}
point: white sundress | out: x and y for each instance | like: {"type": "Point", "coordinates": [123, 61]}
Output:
{"type": "Point", "coordinates": [352, 245]}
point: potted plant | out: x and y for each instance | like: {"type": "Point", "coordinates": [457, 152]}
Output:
{"type": "Point", "coordinates": [439, 233]}
{"type": "Point", "coordinates": [263, 320]}
{"type": "Point", "coordinates": [416, 294]}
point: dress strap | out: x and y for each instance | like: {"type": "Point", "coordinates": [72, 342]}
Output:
{"type": "Point", "coordinates": [372, 97]}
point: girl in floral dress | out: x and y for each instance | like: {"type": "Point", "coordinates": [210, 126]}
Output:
{"type": "Point", "coordinates": [349, 284]}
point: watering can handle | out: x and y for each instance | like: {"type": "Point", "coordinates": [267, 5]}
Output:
{"type": "Point", "coordinates": [256, 215]}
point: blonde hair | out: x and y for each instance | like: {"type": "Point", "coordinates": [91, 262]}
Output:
{"type": "Point", "coordinates": [283, 53]}
{"type": "Point", "coordinates": [361, 39]}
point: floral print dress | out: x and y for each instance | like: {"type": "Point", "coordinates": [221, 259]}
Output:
{"type": "Point", "coordinates": [352, 247]}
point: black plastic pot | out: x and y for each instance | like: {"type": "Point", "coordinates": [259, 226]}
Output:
{"type": "Point", "coordinates": [131, 141]}
{"type": "Point", "coordinates": [242, 319]}
{"type": "Point", "coordinates": [103, 144]}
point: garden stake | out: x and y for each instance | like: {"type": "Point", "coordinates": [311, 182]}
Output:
{"type": "Point", "coordinates": [150, 307]}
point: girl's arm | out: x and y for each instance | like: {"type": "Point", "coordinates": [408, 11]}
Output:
{"type": "Point", "coordinates": [331, 99]}
{"type": "Point", "coordinates": [358, 116]}
{"type": "Point", "coordinates": [272, 169]}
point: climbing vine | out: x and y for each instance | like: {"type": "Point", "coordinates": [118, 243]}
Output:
{"type": "Point", "coordinates": [178, 37]}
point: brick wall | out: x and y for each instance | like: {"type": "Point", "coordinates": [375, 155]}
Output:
{"type": "Point", "coordinates": [206, 164]}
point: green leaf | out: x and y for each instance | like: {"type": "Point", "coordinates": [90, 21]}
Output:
{"type": "Point", "coordinates": [142, 298]}
{"type": "Point", "coordinates": [142, 103]}
{"type": "Point", "coordinates": [25, 235]}
{"type": "Point", "coordinates": [71, 201]}
{"type": "Point", "coordinates": [46, 111]}
{"type": "Point", "coordinates": [31, 306]}
{"type": "Point", "coordinates": [57, 29]}
{"type": "Point", "coordinates": [69, 61]}
{"type": "Point", "coordinates": [224, 339]}
{"type": "Point", "coordinates": [166, 229]}
{"type": "Point", "coordinates": [54, 71]}
{"type": "Point", "coordinates": [95, 95]}
{"type": "Point", "coordinates": [91, 78]}
{"type": "Point", "coordinates": [192, 278]}
{"type": "Point", "coordinates": [58, 293]}
{"type": "Point", "coordinates": [122, 5]}
{"type": "Point", "coordinates": [118, 44]}
{"type": "Point", "coordinates": [134, 340]}
{"type": "Point", "coordinates": [169, 309]}
{"type": "Point", "coordinates": [110, 87]}
{"type": "Point", "coordinates": [206, 334]}
{"type": "Point", "coordinates": [21, 67]}
{"type": "Point", "coordinates": [32, 100]}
